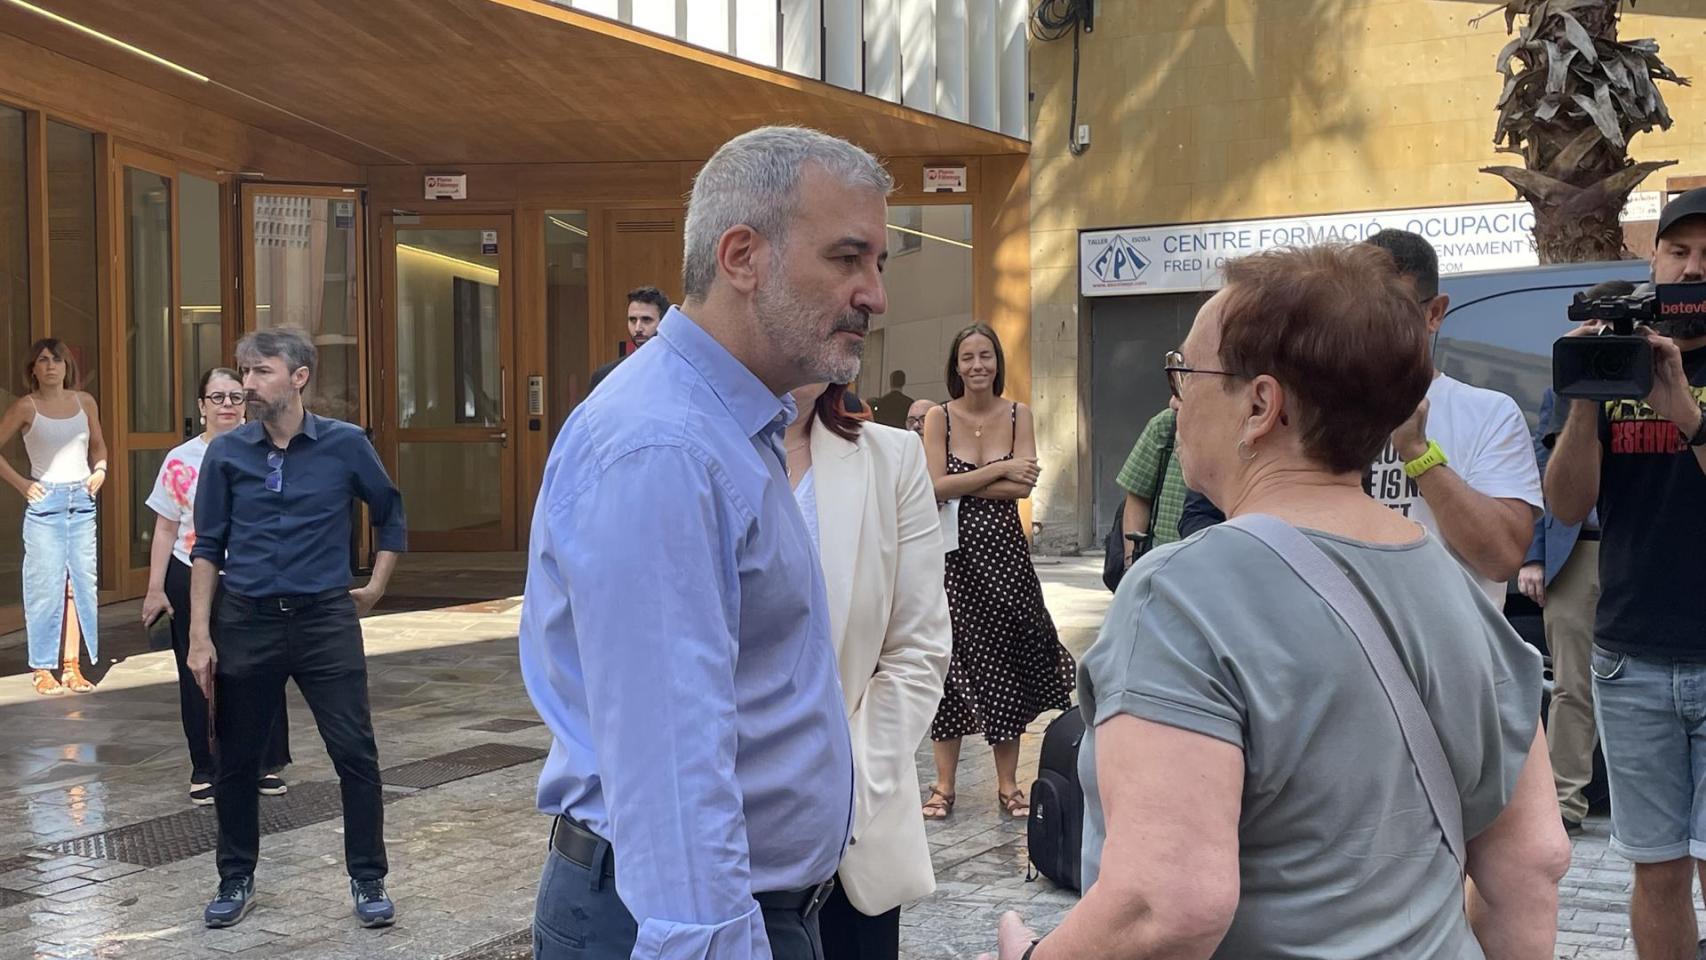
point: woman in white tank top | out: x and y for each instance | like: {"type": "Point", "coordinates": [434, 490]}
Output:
{"type": "Point", "coordinates": [68, 465]}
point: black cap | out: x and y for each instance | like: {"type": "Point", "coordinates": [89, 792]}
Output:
{"type": "Point", "coordinates": [1690, 204]}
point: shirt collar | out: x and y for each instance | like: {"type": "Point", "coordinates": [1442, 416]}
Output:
{"type": "Point", "coordinates": [254, 431]}
{"type": "Point", "coordinates": [748, 400]}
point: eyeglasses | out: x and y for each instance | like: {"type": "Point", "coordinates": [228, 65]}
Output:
{"type": "Point", "coordinates": [1174, 365]}
{"type": "Point", "coordinates": [225, 399]}
{"type": "Point", "coordinates": [913, 423]}
{"type": "Point", "coordinates": [275, 479]}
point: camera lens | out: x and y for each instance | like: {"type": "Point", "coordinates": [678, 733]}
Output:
{"type": "Point", "coordinates": [1609, 364]}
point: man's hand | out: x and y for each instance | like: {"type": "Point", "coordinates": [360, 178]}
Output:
{"type": "Point", "coordinates": [1411, 437]}
{"type": "Point", "coordinates": [201, 659]}
{"type": "Point", "coordinates": [1531, 580]}
{"type": "Point", "coordinates": [1671, 397]}
{"type": "Point", "coordinates": [366, 598]}
{"type": "Point", "coordinates": [1012, 939]}
{"type": "Point", "coordinates": [1024, 471]}
{"type": "Point", "coordinates": [154, 604]}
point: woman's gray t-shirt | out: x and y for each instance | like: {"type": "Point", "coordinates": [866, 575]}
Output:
{"type": "Point", "coordinates": [1339, 852]}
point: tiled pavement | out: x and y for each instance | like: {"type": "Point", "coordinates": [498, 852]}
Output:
{"type": "Point", "coordinates": [465, 855]}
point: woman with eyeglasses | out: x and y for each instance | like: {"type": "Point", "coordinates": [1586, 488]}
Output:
{"type": "Point", "coordinates": [1307, 726]}
{"type": "Point", "coordinates": [221, 402]}
{"type": "Point", "coordinates": [68, 465]}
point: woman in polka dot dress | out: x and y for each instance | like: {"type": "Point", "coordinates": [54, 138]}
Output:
{"type": "Point", "coordinates": [1008, 665]}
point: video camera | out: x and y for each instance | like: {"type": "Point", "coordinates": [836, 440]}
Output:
{"type": "Point", "coordinates": [1618, 363]}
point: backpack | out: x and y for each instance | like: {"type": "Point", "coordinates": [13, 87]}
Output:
{"type": "Point", "coordinates": [1055, 831]}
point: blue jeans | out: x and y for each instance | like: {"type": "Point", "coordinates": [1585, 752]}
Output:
{"type": "Point", "coordinates": [59, 545]}
{"type": "Point", "coordinates": [1652, 728]}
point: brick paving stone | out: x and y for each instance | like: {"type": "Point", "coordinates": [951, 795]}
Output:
{"type": "Point", "coordinates": [68, 883]}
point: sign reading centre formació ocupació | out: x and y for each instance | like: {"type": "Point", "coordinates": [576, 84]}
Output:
{"type": "Point", "coordinates": [1188, 257]}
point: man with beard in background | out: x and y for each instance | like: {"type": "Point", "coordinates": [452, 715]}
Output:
{"type": "Point", "coordinates": [1644, 463]}
{"type": "Point", "coordinates": [272, 514]}
{"type": "Point", "coordinates": [701, 774]}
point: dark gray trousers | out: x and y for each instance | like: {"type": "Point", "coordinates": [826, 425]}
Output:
{"type": "Point", "coordinates": [578, 916]}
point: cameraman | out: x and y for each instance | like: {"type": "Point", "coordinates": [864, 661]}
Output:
{"type": "Point", "coordinates": [1649, 657]}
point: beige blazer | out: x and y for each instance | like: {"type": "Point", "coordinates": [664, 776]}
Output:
{"type": "Point", "coordinates": [888, 615]}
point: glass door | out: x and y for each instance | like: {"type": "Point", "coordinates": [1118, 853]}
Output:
{"type": "Point", "coordinates": [304, 266]}
{"type": "Point", "coordinates": [449, 357]}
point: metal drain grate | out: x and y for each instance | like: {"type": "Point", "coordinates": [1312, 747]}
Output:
{"type": "Point", "coordinates": [11, 898]}
{"type": "Point", "coordinates": [179, 836]}
{"type": "Point", "coordinates": [473, 761]}
{"type": "Point", "coordinates": [503, 725]}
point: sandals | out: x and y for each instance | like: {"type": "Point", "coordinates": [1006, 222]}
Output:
{"type": "Point", "coordinates": [1017, 805]}
{"type": "Point", "coordinates": [939, 806]}
{"type": "Point", "coordinates": [46, 685]}
{"type": "Point", "coordinates": [74, 680]}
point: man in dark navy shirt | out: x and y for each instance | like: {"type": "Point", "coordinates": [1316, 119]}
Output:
{"type": "Point", "coordinates": [273, 513]}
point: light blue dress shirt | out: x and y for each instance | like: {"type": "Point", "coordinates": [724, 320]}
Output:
{"type": "Point", "coordinates": [675, 640]}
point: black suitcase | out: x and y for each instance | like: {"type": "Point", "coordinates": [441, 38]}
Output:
{"type": "Point", "coordinates": [1055, 832]}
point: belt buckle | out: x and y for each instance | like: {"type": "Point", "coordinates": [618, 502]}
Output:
{"type": "Point", "coordinates": [284, 605]}
{"type": "Point", "coordinates": [820, 896]}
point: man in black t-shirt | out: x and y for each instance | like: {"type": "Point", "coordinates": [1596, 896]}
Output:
{"type": "Point", "coordinates": [1644, 463]}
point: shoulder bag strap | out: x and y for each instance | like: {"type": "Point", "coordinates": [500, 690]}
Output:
{"type": "Point", "coordinates": [1161, 477]}
{"type": "Point", "coordinates": [1326, 579]}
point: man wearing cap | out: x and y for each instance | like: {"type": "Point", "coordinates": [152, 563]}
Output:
{"type": "Point", "coordinates": [1643, 463]}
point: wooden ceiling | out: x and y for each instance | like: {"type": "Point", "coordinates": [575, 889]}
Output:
{"type": "Point", "coordinates": [380, 82]}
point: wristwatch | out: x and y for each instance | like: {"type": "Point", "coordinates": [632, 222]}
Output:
{"type": "Point", "coordinates": [1434, 457]}
{"type": "Point", "coordinates": [1699, 438]}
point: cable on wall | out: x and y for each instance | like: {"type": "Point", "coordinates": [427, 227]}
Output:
{"type": "Point", "coordinates": [1052, 20]}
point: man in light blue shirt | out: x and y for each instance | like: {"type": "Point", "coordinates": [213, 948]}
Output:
{"type": "Point", "coordinates": [674, 635]}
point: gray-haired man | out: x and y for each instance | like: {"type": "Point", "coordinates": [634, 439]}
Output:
{"type": "Point", "coordinates": [272, 510]}
{"type": "Point", "coordinates": [701, 776]}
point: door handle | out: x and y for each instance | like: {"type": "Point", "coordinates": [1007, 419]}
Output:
{"type": "Point", "coordinates": [502, 436]}
{"type": "Point", "coordinates": [503, 395]}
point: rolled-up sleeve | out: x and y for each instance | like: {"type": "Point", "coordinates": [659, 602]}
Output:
{"type": "Point", "coordinates": [373, 484]}
{"type": "Point", "coordinates": [212, 508]}
{"type": "Point", "coordinates": [660, 690]}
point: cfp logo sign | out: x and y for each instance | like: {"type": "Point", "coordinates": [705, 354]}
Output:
{"type": "Point", "coordinates": [1119, 262]}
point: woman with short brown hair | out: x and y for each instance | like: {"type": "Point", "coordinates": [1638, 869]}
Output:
{"type": "Point", "coordinates": [1250, 790]}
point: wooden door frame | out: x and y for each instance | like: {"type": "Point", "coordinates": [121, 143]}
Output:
{"type": "Point", "coordinates": [121, 442]}
{"type": "Point", "coordinates": [388, 435]}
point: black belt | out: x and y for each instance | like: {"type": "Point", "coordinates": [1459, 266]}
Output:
{"type": "Point", "coordinates": [589, 851]}
{"type": "Point", "coordinates": [291, 602]}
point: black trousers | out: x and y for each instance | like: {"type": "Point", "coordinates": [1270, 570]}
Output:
{"type": "Point", "coordinates": [579, 916]}
{"type": "Point", "coordinates": [192, 705]}
{"type": "Point", "coordinates": [851, 935]}
{"type": "Point", "coordinates": [317, 643]}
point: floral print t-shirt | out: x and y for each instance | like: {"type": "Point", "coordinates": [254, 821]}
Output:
{"type": "Point", "coordinates": [174, 492]}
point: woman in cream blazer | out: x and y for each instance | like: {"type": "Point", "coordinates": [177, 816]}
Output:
{"type": "Point", "coordinates": [866, 496]}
